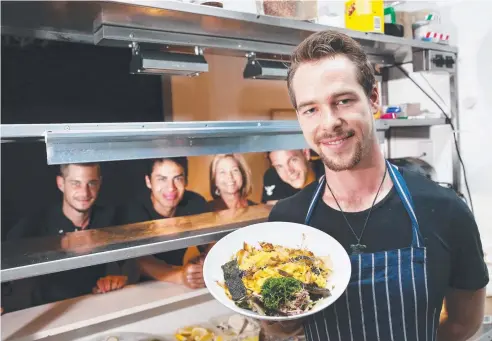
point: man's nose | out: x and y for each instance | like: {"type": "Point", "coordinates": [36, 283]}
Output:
{"type": "Point", "coordinates": [170, 186]}
{"type": "Point", "coordinates": [329, 119]}
{"type": "Point", "coordinates": [87, 190]}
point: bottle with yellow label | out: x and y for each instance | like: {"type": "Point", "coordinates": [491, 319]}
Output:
{"type": "Point", "coordinates": [365, 15]}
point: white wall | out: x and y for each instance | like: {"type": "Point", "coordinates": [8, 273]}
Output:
{"type": "Point", "coordinates": [470, 26]}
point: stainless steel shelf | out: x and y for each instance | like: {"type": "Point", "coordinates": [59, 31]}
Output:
{"type": "Point", "coordinates": [402, 123]}
{"type": "Point", "coordinates": [71, 143]}
{"type": "Point", "coordinates": [192, 129]}
{"type": "Point", "coordinates": [118, 23]}
{"type": "Point", "coordinates": [38, 256]}
{"type": "Point", "coordinates": [76, 143]}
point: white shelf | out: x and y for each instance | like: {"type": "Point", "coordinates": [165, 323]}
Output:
{"type": "Point", "coordinates": [85, 311]}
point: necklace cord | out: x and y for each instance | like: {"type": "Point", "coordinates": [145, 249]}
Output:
{"type": "Point", "coordinates": [370, 210]}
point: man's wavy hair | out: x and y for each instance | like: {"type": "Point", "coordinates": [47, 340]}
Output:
{"type": "Point", "coordinates": [329, 44]}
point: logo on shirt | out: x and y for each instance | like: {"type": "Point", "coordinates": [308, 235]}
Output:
{"type": "Point", "coordinates": [269, 190]}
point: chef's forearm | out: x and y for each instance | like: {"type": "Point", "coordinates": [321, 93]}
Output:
{"type": "Point", "coordinates": [462, 314]}
{"type": "Point", "coordinates": [161, 271]}
{"type": "Point", "coordinates": [455, 331]}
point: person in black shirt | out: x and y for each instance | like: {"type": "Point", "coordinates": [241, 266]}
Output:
{"type": "Point", "coordinates": [291, 171]}
{"type": "Point", "coordinates": [412, 244]}
{"type": "Point", "coordinates": [167, 179]}
{"type": "Point", "coordinates": [80, 185]}
{"type": "Point", "coordinates": [230, 182]}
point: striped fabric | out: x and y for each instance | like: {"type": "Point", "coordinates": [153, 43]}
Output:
{"type": "Point", "coordinates": [387, 298]}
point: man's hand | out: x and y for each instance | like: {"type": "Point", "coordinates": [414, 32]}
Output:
{"type": "Point", "coordinates": [109, 283]}
{"type": "Point", "coordinates": [193, 275]}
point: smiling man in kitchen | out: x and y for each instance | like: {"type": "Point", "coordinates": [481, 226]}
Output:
{"type": "Point", "coordinates": [412, 243]}
{"type": "Point", "coordinates": [168, 198]}
{"type": "Point", "coordinates": [291, 171]}
{"type": "Point", "coordinates": [80, 185]}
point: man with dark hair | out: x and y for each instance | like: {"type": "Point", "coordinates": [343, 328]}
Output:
{"type": "Point", "coordinates": [166, 179]}
{"type": "Point", "coordinates": [412, 243]}
{"type": "Point", "coordinates": [80, 185]}
{"type": "Point", "coordinates": [291, 171]}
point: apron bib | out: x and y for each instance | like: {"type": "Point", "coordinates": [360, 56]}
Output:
{"type": "Point", "coordinates": [387, 297]}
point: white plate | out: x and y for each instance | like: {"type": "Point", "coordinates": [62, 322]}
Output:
{"type": "Point", "coordinates": [290, 235]}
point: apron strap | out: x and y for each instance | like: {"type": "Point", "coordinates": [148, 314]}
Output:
{"type": "Point", "coordinates": [406, 198]}
{"type": "Point", "coordinates": [315, 199]}
{"type": "Point", "coordinates": [402, 190]}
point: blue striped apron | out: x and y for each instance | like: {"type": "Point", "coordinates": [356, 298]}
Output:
{"type": "Point", "coordinates": [387, 297]}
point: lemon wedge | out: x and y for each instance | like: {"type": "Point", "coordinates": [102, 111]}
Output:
{"type": "Point", "coordinates": [186, 331]}
{"type": "Point", "coordinates": [180, 337]}
{"type": "Point", "coordinates": [198, 332]}
{"type": "Point", "coordinates": [206, 337]}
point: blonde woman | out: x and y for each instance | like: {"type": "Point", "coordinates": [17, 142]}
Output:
{"type": "Point", "coordinates": [230, 182]}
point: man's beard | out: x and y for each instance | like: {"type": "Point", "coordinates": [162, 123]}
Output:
{"type": "Point", "coordinates": [338, 164]}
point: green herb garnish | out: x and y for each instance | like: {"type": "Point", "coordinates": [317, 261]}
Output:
{"type": "Point", "coordinates": [278, 291]}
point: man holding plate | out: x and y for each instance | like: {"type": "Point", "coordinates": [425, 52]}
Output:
{"type": "Point", "coordinates": [412, 243]}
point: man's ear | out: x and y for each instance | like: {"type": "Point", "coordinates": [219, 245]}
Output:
{"type": "Point", "coordinates": [147, 182]}
{"type": "Point", "coordinates": [60, 183]}
{"type": "Point", "coordinates": [374, 100]}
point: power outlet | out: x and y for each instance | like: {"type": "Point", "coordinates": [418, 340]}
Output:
{"type": "Point", "coordinates": [434, 61]}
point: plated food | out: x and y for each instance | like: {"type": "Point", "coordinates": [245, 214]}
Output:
{"type": "Point", "coordinates": [277, 271]}
{"type": "Point", "coordinates": [275, 280]}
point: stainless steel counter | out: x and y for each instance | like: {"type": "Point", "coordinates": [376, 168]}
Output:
{"type": "Point", "coordinates": [38, 256]}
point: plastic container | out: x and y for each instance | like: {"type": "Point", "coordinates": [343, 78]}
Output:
{"type": "Point", "coordinates": [431, 29]}
{"type": "Point", "coordinates": [300, 9]}
{"type": "Point", "coordinates": [331, 14]}
{"type": "Point", "coordinates": [389, 15]}
{"type": "Point", "coordinates": [228, 328]}
{"type": "Point", "coordinates": [365, 15]}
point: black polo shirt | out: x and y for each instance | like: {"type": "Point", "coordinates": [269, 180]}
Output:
{"type": "Point", "coordinates": [274, 188]}
{"type": "Point", "coordinates": [142, 210]}
{"type": "Point", "coordinates": [454, 251]}
{"type": "Point", "coordinates": [71, 283]}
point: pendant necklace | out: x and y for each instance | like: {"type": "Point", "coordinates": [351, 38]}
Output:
{"type": "Point", "coordinates": [358, 248]}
